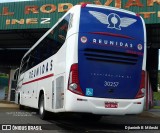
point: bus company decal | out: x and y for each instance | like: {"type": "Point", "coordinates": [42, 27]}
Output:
{"type": "Point", "coordinates": [44, 68]}
{"type": "Point", "coordinates": [113, 20]}
{"type": "Point", "coordinates": [112, 43]}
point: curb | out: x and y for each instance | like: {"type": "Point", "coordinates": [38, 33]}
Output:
{"type": "Point", "coordinates": [149, 114]}
{"type": "Point", "coordinates": [7, 104]}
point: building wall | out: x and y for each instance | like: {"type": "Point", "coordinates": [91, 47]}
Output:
{"type": "Point", "coordinates": [3, 86]}
{"type": "Point", "coordinates": [2, 92]}
{"type": "Point", "coordinates": [11, 89]}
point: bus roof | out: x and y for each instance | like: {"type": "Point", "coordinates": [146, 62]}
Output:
{"type": "Point", "coordinates": [111, 8]}
{"type": "Point", "coordinates": [76, 7]}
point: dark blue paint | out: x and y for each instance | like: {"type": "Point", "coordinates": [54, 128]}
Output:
{"type": "Point", "coordinates": [93, 73]}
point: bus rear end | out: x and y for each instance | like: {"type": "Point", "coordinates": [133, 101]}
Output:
{"type": "Point", "coordinates": [109, 76]}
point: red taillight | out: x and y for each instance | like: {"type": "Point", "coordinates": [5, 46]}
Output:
{"type": "Point", "coordinates": [73, 84]}
{"type": "Point", "coordinates": [141, 91]}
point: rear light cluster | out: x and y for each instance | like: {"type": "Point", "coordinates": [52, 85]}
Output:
{"type": "Point", "coordinates": [73, 84]}
{"type": "Point", "coordinates": [141, 91]}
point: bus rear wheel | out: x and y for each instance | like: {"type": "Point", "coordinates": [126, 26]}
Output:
{"type": "Point", "coordinates": [21, 107]}
{"type": "Point", "coordinates": [42, 111]}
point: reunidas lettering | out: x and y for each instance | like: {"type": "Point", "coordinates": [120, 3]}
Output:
{"type": "Point", "coordinates": [44, 68]}
{"type": "Point", "coordinates": [112, 43]}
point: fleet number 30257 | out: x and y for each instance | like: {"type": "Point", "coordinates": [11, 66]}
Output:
{"type": "Point", "coordinates": [111, 84]}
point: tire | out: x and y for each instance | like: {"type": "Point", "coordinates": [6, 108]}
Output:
{"type": "Point", "coordinates": [21, 107]}
{"type": "Point", "coordinates": [42, 111]}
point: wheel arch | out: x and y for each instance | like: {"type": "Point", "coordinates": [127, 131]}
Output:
{"type": "Point", "coordinates": [18, 98]}
{"type": "Point", "coordinates": [41, 92]}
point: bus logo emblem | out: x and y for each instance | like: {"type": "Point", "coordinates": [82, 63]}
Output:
{"type": "Point", "coordinates": [113, 20]}
{"type": "Point", "coordinates": [139, 46]}
{"type": "Point", "coordinates": [84, 39]}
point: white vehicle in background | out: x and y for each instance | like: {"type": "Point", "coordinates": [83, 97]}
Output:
{"type": "Point", "coordinates": [91, 61]}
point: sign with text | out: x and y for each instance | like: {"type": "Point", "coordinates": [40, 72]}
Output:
{"type": "Point", "coordinates": [44, 14]}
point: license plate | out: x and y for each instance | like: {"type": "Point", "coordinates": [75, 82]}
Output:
{"type": "Point", "coordinates": [111, 105]}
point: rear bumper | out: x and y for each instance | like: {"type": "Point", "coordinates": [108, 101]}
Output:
{"type": "Point", "coordinates": [76, 103]}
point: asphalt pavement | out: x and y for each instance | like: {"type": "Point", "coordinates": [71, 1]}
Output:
{"type": "Point", "coordinates": [154, 113]}
{"type": "Point", "coordinates": [10, 114]}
